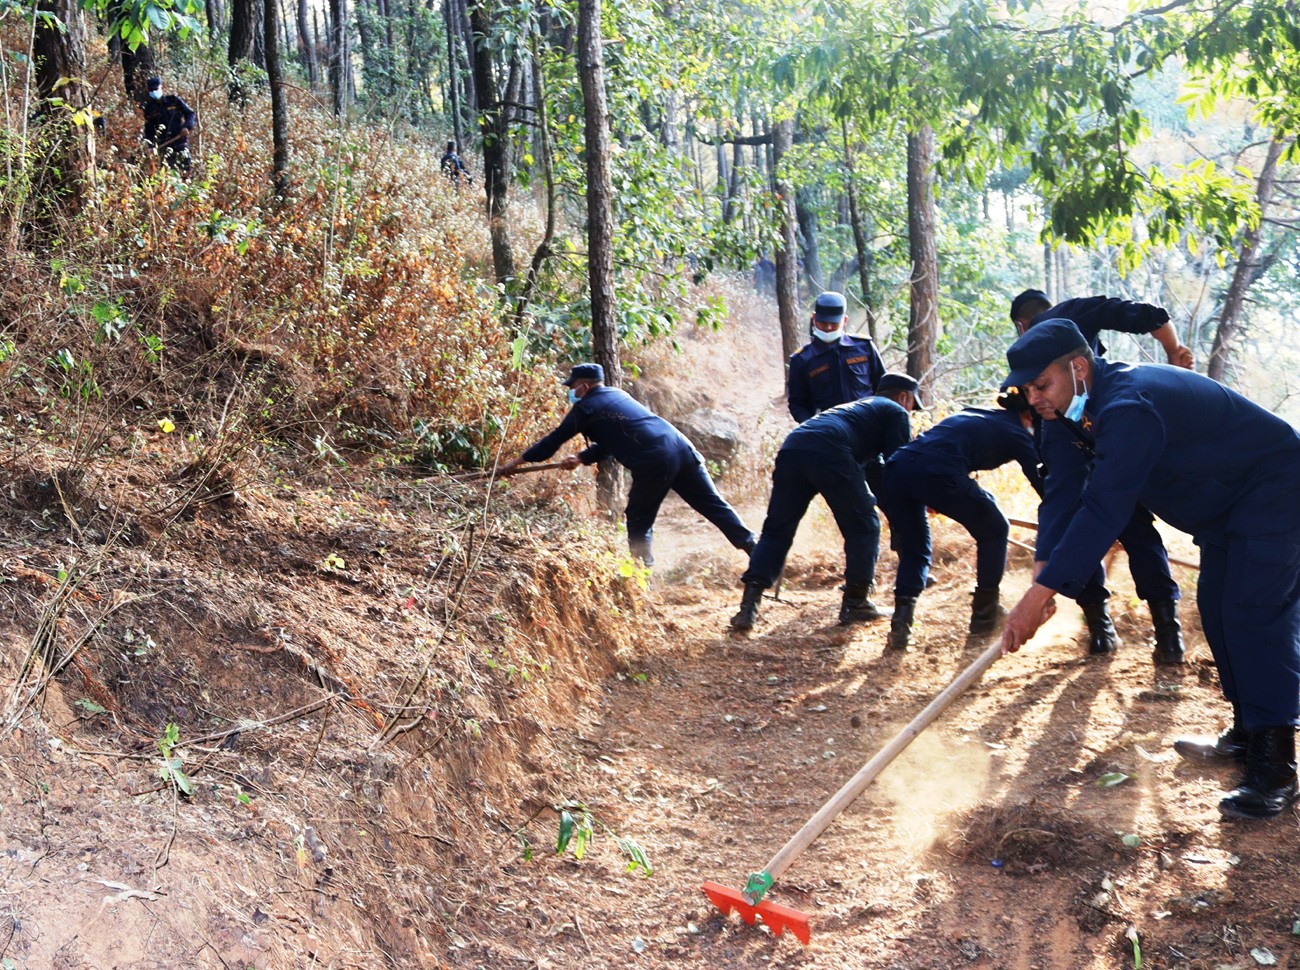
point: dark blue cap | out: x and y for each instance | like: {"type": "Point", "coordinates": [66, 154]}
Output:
{"type": "Point", "coordinates": [830, 307]}
{"type": "Point", "coordinates": [153, 84]}
{"type": "Point", "coordinates": [585, 372]}
{"type": "Point", "coordinates": [1029, 296]}
{"type": "Point", "coordinates": [1039, 346]}
{"type": "Point", "coordinates": [894, 381]}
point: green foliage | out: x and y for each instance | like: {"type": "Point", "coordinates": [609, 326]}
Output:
{"type": "Point", "coordinates": [172, 768]}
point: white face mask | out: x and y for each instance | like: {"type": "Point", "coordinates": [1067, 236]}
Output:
{"type": "Point", "coordinates": [1080, 399]}
{"type": "Point", "coordinates": [828, 336]}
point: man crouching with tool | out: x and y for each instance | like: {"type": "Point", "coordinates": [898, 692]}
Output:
{"type": "Point", "coordinates": [1215, 465]}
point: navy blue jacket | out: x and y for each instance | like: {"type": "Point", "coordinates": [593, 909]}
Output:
{"type": "Point", "coordinates": [166, 120]}
{"type": "Point", "coordinates": [866, 431]}
{"type": "Point", "coordinates": [618, 427]}
{"type": "Point", "coordinates": [1093, 314]}
{"type": "Point", "coordinates": [823, 375]}
{"type": "Point", "coordinates": [977, 439]}
{"type": "Point", "coordinates": [1198, 455]}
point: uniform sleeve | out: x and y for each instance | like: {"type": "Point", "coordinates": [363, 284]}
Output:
{"type": "Point", "coordinates": [1026, 456]}
{"type": "Point", "coordinates": [191, 119]}
{"type": "Point", "coordinates": [593, 453]}
{"type": "Point", "coordinates": [570, 426]}
{"type": "Point", "coordinates": [798, 393]}
{"type": "Point", "coordinates": [898, 432]}
{"type": "Point", "coordinates": [1127, 317]}
{"type": "Point", "coordinates": [1066, 467]}
{"type": "Point", "coordinates": [1130, 439]}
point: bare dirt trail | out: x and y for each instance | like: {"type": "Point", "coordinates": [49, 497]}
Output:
{"type": "Point", "coordinates": [1043, 822]}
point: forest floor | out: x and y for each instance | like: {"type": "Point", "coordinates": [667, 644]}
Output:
{"type": "Point", "coordinates": [1041, 822]}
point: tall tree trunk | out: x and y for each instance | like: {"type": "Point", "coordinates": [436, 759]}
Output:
{"type": "Point", "coordinates": [1247, 270]}
{"type": "Point", "coordinates": [243, 27]}
{"type": "Point", "coordinates": [923, 318]}
{"type": "Point", "coordinates": [453, 73]}
{"type": "Point", "coordinates": [543, 250]}
{"type": "Point", "coordinates": [600, 218]}
{"type": "Point", "coordinates": [306, 49]}
{"type": "Point", "coordinates": [59, 46]}
{"type": "Point", "coordinates": [137, 65]}
{"type": "Point", "coordinates": [340, 69]}
{"type": "Point", "coordinates": [279, 115]}
{"type": "Point", "coordinates": [787, 280]}
{"type": "Point", "coordinates": [812, 260]}
{"type": "Point", "coordinates": [212, 9]}
{"type": "Point", "coordinates": [494, 122]}
{"type": "Point", "coordinates": [864, 252]}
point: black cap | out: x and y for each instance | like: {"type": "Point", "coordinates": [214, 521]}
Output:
{"type": "Point", "coordinates": [585, 372]}
{"type": "Point", "coordinates": [830, 307]}
{"type": "Point", "coordinates": [894, 381]}
{"type": "Point", "coordinates": [1039, 346]}
{"type": "Point", "coordinates": [1029, 296]}
{"type": "Point", "coordinates": [153, 84]}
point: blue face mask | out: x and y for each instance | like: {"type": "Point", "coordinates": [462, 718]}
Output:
{"type": "Point", "coordinates": [155, 94]}
{"type": "Point", "coordinates": [573, 396]}
{"type": "Point", "coordinates": [1080, 399]}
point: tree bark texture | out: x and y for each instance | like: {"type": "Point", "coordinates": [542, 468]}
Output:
{"type": "Point", "coordinates": [306, 49]}
{"type": "Point", "coordinates": [279, 112]}
{"type": "Point", "coordinates": [243, 27]}
{"type": "Point", "coordinates": [787, 280]}
{"type": "Point", "coordinates": [806, 216]}
{"type": "Point", "coordinates": [923, 318]}
{"type": "Point", "coordinates": [60, 51]}
{"type": "Point", "coordinates": [1247, 270]}
{"type": "Point", "coordinates": [864, 252]}
{"type": "Point", "coordinates": [494, 123]}
{"type": "Point", "coordinates": [340, 70]}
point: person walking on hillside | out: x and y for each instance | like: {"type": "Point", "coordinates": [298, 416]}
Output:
{"type": "Point", "coordinates": [826, 455]}
{"type": "Point", "coordinates": [1066, 461]}
{"type": "Point", "coordinates": [834, 367]}
{"type": "Point", "coordinates": [453, 166]}
{"type": "Point", "coordinates": [660, 458]}
{"type": "Point", "coordinates": [168, 124]}
{"type": "Point", "coordinates": [933, 472]}
{"type": "Point", "coordinates": [1213, 464]}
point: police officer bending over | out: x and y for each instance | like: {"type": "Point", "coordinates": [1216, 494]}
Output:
{"type": "Point", "coordinates": [826, 456]}
{"type": "Point", "coordinates": [168, 122]}
{"type": "Point", "coordinates": [1065, 460]}
{"type": "Point", "coordinates": [1212, 464]}
{"type": "Point", "coordinates": [833, 368]}
{"type": "Point", "coordinates": [934, 472]}
{"type": "Point", "coordinates": [659, 457]}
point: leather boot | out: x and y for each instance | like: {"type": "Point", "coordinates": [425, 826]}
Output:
{"type": "Point", "coordinates": [1102, 637]}
{"type": "Point", "coordinates": [900, 626]}
{"type": "Point", "coordinates": [1228, 746]}
{"type": "Point", "coordinates": [1269, 787]}
{"type": "Point", "coordinates": [986, 613]}
{"type": "Point", "coordinates": [855, 607]}
{"type": "Point", "coordinates": [1169, 635]}
{"type": "Point", "coordinates": [749, 600]}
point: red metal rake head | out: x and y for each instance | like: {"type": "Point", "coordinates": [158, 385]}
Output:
{"type": "Point", "coordinates": [776, 917]}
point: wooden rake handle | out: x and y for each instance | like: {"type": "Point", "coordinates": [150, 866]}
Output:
{"type": "Point", "coordinates": [856, 785]}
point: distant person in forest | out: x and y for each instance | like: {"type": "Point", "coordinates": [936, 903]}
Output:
{"type": "Point", "coordinates": [168, 123]}
{"type": "Point", "coordinates": [765, 276]}
{"type": "Point", "coordinates": [453, 167]}
{"type": "Point", "coordinates": [829, 455]}
{"type": "Point", "coordinates": [1065, 461]}
{"type": "Point", "coordinates": [660, 458]}
{"type": "Point", "coordinates": [834, 367]}
{"type": "Point", "coordinates": [934, 472]}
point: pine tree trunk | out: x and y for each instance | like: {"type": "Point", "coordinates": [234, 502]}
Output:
{"type": "Point", "coordinates": [306, 48]}
{"type": "Point", "coordinates": [863, 251]}
{"type": "Point", "coordinates": [279, 115]}
{"type": "Point", "coordinates": [340, 72]}
{"type": "Point", "coordinates": [243, 27]}
{"type": "Point", "coordinates": [787, 280]}
{"type": "Point", "coordinates": [494, 121]}
{"type": "Point", "coordinates": [59, 46]}
{"type": "Point", "coordinates": [923, 318]}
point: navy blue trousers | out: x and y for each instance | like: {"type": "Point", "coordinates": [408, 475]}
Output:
{"type": "Point", "coordinates": [681, 472]}
{"type": "Point", "coordinates": [1249, 599]}
{"type": "Point", "coordinates": [912, 486]}
{"type": "Point", "coordinates": [796, 479]}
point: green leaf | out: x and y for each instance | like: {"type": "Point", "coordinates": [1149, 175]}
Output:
{"type": "Point", "coordinates": [89, 706]}
{"type": "Point", "coordinates": [1112, 779]}
{"type": "Point", "coordinates": [1132, 841]}
{"type": "Point", "coordinates": [566, 832]}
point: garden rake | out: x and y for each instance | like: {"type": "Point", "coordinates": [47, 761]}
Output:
{"type": "Point", "coordinates": [749, 902]}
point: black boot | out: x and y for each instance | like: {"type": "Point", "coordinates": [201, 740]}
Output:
{"type": "Point", "coordinates": [855, 607]}
{"type": "Point", "coordinates": [1269, 787]}
{"type": "Point", "coordinates": [744, 620]}
{"type": "Point", "coordinates": [1169, 635]}
{"type": "Point", "coordinates": [900, 627]}
{"type": "Point", "coordinates": [1228, 746]}
{"type": "Point", "coordinates": [986, 613]}
{"type": "Point", "coordinates": [1102, 637]}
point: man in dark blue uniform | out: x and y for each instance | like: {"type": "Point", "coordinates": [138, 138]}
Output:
{"type": "Point", "coordinates": [1209, 462]}
{"type": "Point", "coordinates": [168, 122]}
{"type": "Point", "coordinates": [934, 472]}
{"type": "Point", "coordinates": [827, 455]}
{"type": "Point", "coordinates": [453, 166]}
{"type": "Point", "coordinates": [1065, 460]}
{"type": "Point", "coordinates": [659, 457]}
{"type": "Point", "coordinates": [834, 367]}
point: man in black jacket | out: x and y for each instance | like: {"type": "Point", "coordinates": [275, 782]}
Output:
{"type": "Point", "coordinates": [168, 122]}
